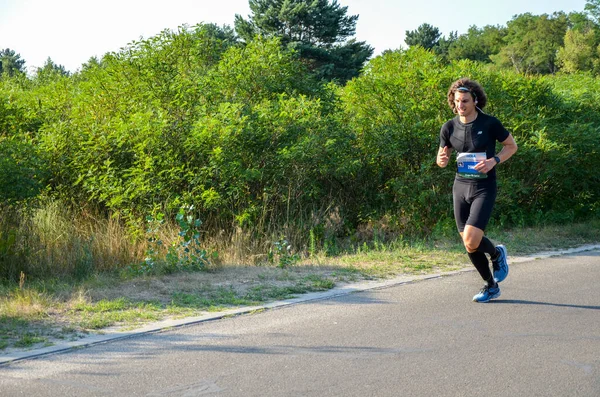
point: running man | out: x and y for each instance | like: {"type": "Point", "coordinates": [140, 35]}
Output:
{"type": "Point", "coordinates": [473, 135]}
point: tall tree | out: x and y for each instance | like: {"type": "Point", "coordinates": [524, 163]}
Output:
{"type": "Point", "coordinates": [581, 21]}
{"type": "Point", "coordinates": [425, 35]}
{"type": "Point", "coordinates": [444, 44]}
{"type": "Point", "coordinates": [592, 7]}
{"type": "Point", "coordinates": [319, 30]}
{"type": "Point", "coordinates": [579, 52]}
{"type": "Point", "coordinates": [11, 62]}
{"type": "Point", "coordinates": [50, 69]}
{"type": "Point", "coordinates": [478, 44]}
{"type": "Point", "coordinates": [532, 42]}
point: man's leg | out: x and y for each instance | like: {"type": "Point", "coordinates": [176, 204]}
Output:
{"type": "Point", "coordinates": [472, 239]}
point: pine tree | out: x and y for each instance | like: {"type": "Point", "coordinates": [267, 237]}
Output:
{"type": "Point", "coordinates": [11, 62]}
{"type": "Point", "coordinates": [319, 30]}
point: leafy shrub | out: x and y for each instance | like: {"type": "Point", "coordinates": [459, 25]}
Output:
{"type": "Point", "coordinates": [256, 145]}
{"type": "Point", "coordinates": [22, 170]}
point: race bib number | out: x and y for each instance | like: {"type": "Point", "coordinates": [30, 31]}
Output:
{"type": "Point", "coordinates": [466, 165]}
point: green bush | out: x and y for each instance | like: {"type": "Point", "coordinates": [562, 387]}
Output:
{"type": "Point", "coordinates": [22, 170]}
{"type": "Point", "coordinates": [396, 109]}
{"type": "Point", "coordinates": [250, 139]}
{"type": "Point", "coordinates": [398, 106]}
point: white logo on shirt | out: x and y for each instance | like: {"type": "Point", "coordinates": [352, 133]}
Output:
{"type": "Point", "coordinates": [480, 132]}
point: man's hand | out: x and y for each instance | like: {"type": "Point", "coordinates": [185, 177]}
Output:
{"type": "Point", "coordinates": [485, 166]}
{"type": "Point", "coordinates": [443, 156]}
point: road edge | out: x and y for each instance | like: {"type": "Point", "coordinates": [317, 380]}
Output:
{"type": "Point", "coordinates": [112, 334]}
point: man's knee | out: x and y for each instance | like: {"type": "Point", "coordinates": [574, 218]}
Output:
{"type": "Point", "coordinates": [471, 245]}
{"type": "Point", "coordinates": [472, 239]}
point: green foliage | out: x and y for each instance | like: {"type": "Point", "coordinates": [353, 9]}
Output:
{"type": "Point", "coordinates": [444, 44]}
{"type": "Point", "coordinates": [317, 30]}
{"type": "Point", "coordinates": [189, 253]}
{"type": "Point", "coordinates": [19, 109]}
{"type": "Point", "coordinates": [266, 163]}
{"type": "Point", "coordinates": [532, 42]}
{"type": "Point", "coordinates": [396, 109]}
{"type": "Point", "coordinates": [155, 246]}
{"type": "Point", "coordinates": [398, 106]}
{"type": "Point", "coordinates": [580, 52]}
{"type": "Point", "coordinates": [540, 183]}
{"type": "Point", "coordinates": [529, 44]}
{"type": "Point", "coordinates": [22, 169]}
{"type": "Point", "coordinates": [425, 35]}
{"type": "Point", "coordinates": [262, 148]}
{"type": "Point", "coordinates": [50, 70]}
{"type": "Point", "coordinates": [301, 20]}
{"type": "Point", "coordinates": [184, 254]}
{"type": "Point", "coordinates": [282, 253]}
{"type": "Point", "coordinates": [11, 63]}
{"type": "Point", "coordinates": [121, 143]}
{"type": "Point", "coordinates": [592, 7]}
{"type": "Point", "coordinates": [478, 44]}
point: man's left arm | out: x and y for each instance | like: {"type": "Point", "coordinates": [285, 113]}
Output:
{"type": "Point", "coordinates": [509, 147]}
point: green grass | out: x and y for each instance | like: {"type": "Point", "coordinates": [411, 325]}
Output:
{"type": "Point", "coordinates": [40, 312]}
{"type": "Point", "coordinates": [29, 340]}
{"type": "Point", "coordinates": [106, 313]}
{"type": "Point", "coordinates": [530, 240]}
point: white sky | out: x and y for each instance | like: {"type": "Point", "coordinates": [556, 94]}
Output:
{"type": "Point", "coordinates": [72, 31]}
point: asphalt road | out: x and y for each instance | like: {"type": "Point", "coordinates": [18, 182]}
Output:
{"type": "Point", "coordinates": [426, 338]}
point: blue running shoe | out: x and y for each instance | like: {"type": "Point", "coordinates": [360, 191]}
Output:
{"type": "Point", "coordinates": [500, 265]}
{"type": "Point", "coordinates": [487, 293]}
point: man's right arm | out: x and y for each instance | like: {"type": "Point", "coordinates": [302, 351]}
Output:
{"type": "Point", "coordinates": [443, 155]}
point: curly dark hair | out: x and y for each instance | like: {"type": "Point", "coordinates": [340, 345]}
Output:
{"type": "Point", "coordinates": [475, 89]}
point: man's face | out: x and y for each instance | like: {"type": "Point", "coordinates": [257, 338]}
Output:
{"type": "Point", "coordinates": [463, 101]}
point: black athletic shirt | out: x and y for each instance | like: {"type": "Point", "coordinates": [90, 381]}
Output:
{"type": "Point", "coordinates": [478, 136]}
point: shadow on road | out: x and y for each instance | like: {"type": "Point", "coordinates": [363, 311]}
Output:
{"type": "Point", "coordinates": [522, 302]}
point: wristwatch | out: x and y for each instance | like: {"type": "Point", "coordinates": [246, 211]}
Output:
{"type": "Point", "coordinates": [497, 159]}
